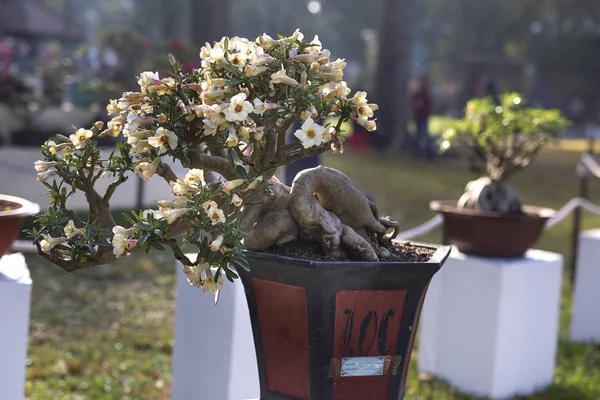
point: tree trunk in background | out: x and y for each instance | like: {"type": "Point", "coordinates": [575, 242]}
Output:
{"type": "Point", "coordinates": [209, 21]}
{"type": "Point", "coordinates": [393, 74]}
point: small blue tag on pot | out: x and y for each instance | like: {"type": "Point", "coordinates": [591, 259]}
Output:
{"type": "Point", "coordinates": [362, 366]}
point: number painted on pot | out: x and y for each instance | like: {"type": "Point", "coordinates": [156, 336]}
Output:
{"type": "Point", "coordinates": [369, 322]}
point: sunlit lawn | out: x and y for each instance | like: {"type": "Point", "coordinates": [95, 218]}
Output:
{"type": "Point", "coordinates": [107, 333]}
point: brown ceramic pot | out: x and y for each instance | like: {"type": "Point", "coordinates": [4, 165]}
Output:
{"type": "Point", "coordinates": [335, 330]}
{"type": "Point", "coordinates": [12, 212]}
{"type": "Point", "coordinates": [492, 234]}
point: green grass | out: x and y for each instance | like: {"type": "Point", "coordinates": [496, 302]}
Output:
{"type": "Point", "coordinates": [106, 333]}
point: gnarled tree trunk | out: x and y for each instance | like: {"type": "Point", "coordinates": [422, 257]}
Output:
{"type": "Point", "coordinates": [323, 206]}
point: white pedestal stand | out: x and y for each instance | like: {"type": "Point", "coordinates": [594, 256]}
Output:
{"type": "Point", "coordinates": [490, 326]}
{"type": "Point", "coordinates": [15, 300]}
{"type": "Point", "coordinates": [585, 325]}
{"type": "Point", "coordinates": [214, 356]}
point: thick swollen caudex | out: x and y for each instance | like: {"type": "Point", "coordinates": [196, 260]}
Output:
{"type": "Point", "coordinates": [323, 206]}
{"type": "Point", "coordinates": [490, 195]}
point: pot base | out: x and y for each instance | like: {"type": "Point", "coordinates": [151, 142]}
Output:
{"type": "Point", "coordinates": [335, 330]}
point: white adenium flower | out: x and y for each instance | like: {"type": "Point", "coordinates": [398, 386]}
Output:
{"type": "Point", "coordinates": [55, 148]}
{"type": "Point", "coordinates": [365, 111]}
{"type": "Point", "coordinates": [119, 243]}
{"type": "Point", "coordinates": [182, 187]}
{"type": "Point", "coordinates": [215, 245]}
{"type": "Point", "coordinates": [163, 140]}
{"type": "Point", "coordinates": [316, 46]}
{"type": "Point", "coordinates": [43, 166]}
{"type": "Point", "coordinates": [135, 137]}
{"type": "Point", "coordinates": [254, 70]}
{"type": "Point", "coordinates": [134, 121]}
{"type": "Point", "coordinates": [216, 114]}
{"type": "Point", "coordinates": [194, 274]}
{"type": "Point", "coordinates": [254, 183]}
{"type": "Point", "coordinates": [177, 202]}
{"type": "Point", "coordinates": [210, 128]}
{"type": "Point", "coordinates": [122, 240]}
{"type": "Point", "coordinates": [113, 107]}
{"type": "Point", "coordinates": [124, 231]}
{"type": "Point", "coordinates": [239, 108]}
{"type": "Point", "coordinates": [140, 147]}
{"type": "Point", "coordinates": [173, 214]}
{"type": "Point", "coordinates": [195, 177]}
{"type": "Point", "coordinates": [80, 137]}
{"type": "Point", "coordinates": [71, 231]}
{"type": "Point", "coordinates": [258, 133]}
{"type": "Point", "coordinates": [232, 138]}
{"type": "Point", "coordinates": [146, 170]}
{"type": "Point", "coordinates": [114, 126]}
{"type": "Point", "coordinates": [48, 243]}
{"type": "Point", "coordinates": [311, 112]}
{"type": "Point", "coordinates": [369, 125]}
{"type": "Point", "coordinates": [281, 77]}
{"type": "Point", "coordinates": [237, 59]}
{"type": "Point", "coordinates": [310, 134]}
{"type": "Point", "coordinates": [209, 284]}
{"type": "Point", "coordinates": [207, 205]}
{"type": "Point", "coordinates": [236, 200]}
{"type": "Point", "coordinates": [146, 79]}
{"type": "Point", "coordinates": [156, 214]}
{"type": "Point", "coordinates": [260, 107]}
{"type": "Point", "coordinates": [230, 185]}
{"type": "Point", "coordinates": [43, 176]}
{"type": "Point", "coordinates": [328, 134]}
{"type": "Point", "coordinates": [216, 215]}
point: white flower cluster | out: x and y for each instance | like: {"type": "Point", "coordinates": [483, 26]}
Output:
{"type": "Point", "coordinates": [244, 93]}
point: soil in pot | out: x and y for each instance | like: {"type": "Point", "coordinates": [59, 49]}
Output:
{"type": "Point", "coordinates": [399, 252]}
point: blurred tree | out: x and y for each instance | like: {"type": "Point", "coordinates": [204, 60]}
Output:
{"type": "Point", "coordinates": [393, 74]}
{"type": "Point", "coordinates": [547, 48]}
{"type": "Point", "coordinates": [209, 21]}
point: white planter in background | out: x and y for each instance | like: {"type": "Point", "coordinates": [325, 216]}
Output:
{"type": "Point", "coordinates": [585, 325]}
{"type": "Point", "coordinates": [15, 301]}
{"type": "Point", "coordinates": [489, 327]}
{"type": "Point", "coordinates": [213, 356]}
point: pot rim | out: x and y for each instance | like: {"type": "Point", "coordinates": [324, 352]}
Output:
{"type": "Point", "coordinates": [27, 208]}
{"type": "Point", "coordinates": [531, 212]}
{"type": "Point", "coordinates": [439, 256]}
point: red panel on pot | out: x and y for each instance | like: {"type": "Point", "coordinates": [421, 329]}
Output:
{"type": "Point", "coordinates": [367, 325]}
{"type": "Point", "coordinates": [284, 335]}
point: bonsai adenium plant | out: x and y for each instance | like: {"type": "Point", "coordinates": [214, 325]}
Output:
{"type": "Point", "coordinates": [226, 123]}
{"type": "Point", "coordinates": [502, 138]}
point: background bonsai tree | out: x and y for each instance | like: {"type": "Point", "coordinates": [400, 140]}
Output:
{"type": "Point", "coordinates": [503, 138]}
{"type": "Point", "coordinates": [226, 123]}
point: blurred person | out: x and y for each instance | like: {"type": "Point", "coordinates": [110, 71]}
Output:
{"type": "Point", "coordinates": [492, 91]}
{"type": "Point", "coordinates": [421, 105]}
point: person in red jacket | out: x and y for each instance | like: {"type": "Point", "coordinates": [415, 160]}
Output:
{"type": "Point", "coordinates": [421, 105]}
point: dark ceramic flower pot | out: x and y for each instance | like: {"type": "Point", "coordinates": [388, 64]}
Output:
{"type": "Point", "coordinates": [335, 330]}
{"type": "Point", "coordinates": [11, 219]}
{"type": "Point", "coordinates": [492, 234]}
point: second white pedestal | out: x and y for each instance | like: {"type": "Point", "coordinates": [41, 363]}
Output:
{"type": "Point", "coordinates": [585, 325]}
{"type": "Point", "coordinates": [213, 356]}
{"type": "Point", "coordinates": [490, 326]}
{"type": "Point", "coordinates": [15, 300]}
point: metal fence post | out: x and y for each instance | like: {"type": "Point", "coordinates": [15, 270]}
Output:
{"type": "Point", "coordinates": [583, 174]}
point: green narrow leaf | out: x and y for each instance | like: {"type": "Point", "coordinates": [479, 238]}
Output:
{"type": "Point", "coordinates": [143, 239]}
{"type": "Point", "coordinates": [242, 171]}
{"type": "Point", "coordinates": [230, 157]}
